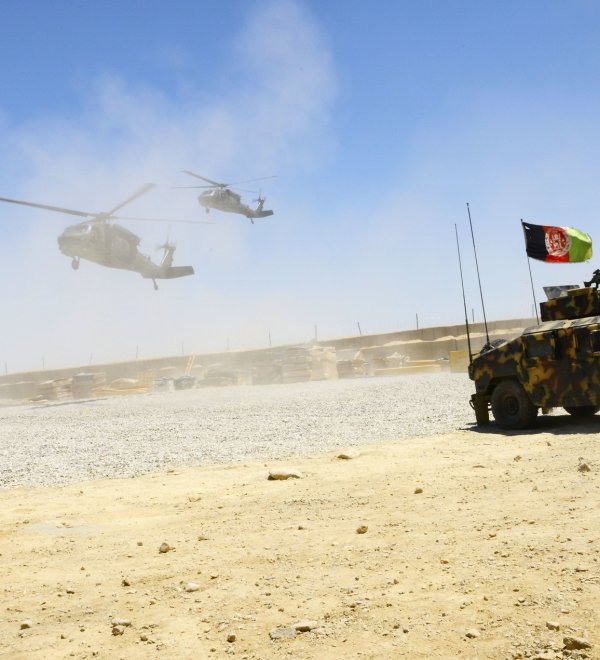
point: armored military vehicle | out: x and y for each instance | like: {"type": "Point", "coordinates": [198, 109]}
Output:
{"type": "Point", "coordinates": [553, 364]}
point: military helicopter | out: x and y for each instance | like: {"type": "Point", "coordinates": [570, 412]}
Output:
{"type": "Point", "coordinates": [108, 244]}
{"type": "Point", "coordinates": [219, 196]}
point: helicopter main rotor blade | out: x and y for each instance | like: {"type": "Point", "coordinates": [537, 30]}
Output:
{"type": "Point", "coordinates": [58, 209]}
{"type": "Point", "coordinates": [81, 214]}
{"type": "Point", "coordinates": [144, 189]}
{"type": "Point", "coordinates": [214, 183]}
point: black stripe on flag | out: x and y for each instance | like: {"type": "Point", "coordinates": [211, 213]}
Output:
{"type": "Point", "coordinates": [535, 241]}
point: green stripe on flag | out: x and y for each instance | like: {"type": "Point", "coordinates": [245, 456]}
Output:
{"type": "Point", "coordinates": [581, 245]}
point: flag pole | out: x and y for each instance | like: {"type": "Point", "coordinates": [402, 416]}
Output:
{"type": "Point", "coordinates": [462, 284]}
{"type": "Point", "coordinates": [537, 318]}
{"type": "Point", "coordinates": [487, 336]}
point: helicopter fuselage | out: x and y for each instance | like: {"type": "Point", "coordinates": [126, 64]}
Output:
{"type": "Point", "coordinates": [108, 244]}
{"type": "Point", "coordinates": [104, 244]}
{"type": "Point", "coordinates": [114, 246]}
{"type": "Point", "coordinates": [223, 199]}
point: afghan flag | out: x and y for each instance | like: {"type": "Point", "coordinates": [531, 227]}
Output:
{"type": "Point", "coordinates": [556, 244]}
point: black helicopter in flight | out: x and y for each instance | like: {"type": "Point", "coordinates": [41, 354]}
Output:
{"type": "Point", "coordinates": [100, 240]}
{"type": "Point", "coordinates": [219, 196]}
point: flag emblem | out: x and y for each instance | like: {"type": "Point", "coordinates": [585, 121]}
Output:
{"type": "Point", "coordinates": [556, 244]}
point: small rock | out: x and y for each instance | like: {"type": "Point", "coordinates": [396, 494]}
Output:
{"type": "Point", "coordinates": [583, 467]}
{"type": "Point", "coordinates": [552, 625]}
{"type": "Point", "coordinates": [472, 633]}
{"type": "Point", "coordinates": [120, 622]}
{"type": "Point", "coordinates": [143, 637]}
{"type": "Point", "coordinates": [231, 638]}
{"type": "Point", "coordinates": [202, 537]}
{"type": "Point", "coordinates": [345, 457]}
{"type": "Point", "coordinates": [575, 643]}
{"type": "Point", "coordinates": [125, 582]}
{"type": "Point", "coordinates": [140, 543]}
{"type": "Point", "coordinates": [305, 625]}
{"type": "Point", "coordinates": [118, 630]}
{"type": "Point", "coordinates": [282, 633]}
{"type": "Point", "coordinates": [418, 490]}
{"type": "Point", "coordinates": [164, 547]}
{"type": "Point", "coordinates": [282, 475]}
{"type": "Point", "coordinates": [517, 458]}
{"type": "Point", "coordinates": [191, 586]}
{"type": "Point", "coordinates": [362, 529]}
{"type": "Point", "coordinates": [26, 624]}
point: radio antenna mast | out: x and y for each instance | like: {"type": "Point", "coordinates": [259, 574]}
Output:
{"type": "Point", "coordinates": [537, 318]}
{"type": "Point", "coordinates": [487, 336]}
{"type": "Point", "coordinates": [462, 284]}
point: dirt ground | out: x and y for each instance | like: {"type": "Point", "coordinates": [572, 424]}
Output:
{"type": "Point", "coordinates": [474, 545]}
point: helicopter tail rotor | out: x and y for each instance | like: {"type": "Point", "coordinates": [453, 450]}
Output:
{"type": "Point", "coordinates": [260, 202]}
{"type": "Point", "coordinates": [168, 248]}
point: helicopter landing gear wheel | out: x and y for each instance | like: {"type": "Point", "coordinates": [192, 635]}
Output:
{"type": "Point", "coordinates": [75, 263]}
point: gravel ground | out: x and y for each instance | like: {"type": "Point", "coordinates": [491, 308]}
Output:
{"type": "Point", "coordinates": [59, 443]}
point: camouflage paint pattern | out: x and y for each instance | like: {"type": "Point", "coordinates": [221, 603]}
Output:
{"type": "Point", "coordinates": [577, 304]}
{"type": "Point", "coordinates": [556, 362]}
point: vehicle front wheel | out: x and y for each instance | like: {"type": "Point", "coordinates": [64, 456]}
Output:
{"type": "Point", "coordinates": [582, 411]}
{"type": "Point", "coordinates": [511, 407]}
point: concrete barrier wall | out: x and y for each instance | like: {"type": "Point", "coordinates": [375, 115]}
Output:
{"type": "Point", "coordinates": [423, 344]}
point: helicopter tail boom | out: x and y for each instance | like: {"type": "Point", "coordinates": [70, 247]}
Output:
{"type": "Point", "coordinates": [262, 214]}
{"type": "Point", "coordinates": [169, 273]}
{"type": "Point", "coordinates": [178, 271]}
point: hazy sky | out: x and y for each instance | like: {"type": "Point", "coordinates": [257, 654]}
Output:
{"type": "Point", "coordinates": [380, 120]}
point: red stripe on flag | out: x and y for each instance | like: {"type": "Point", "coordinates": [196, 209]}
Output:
{"type": "Point", "coordinates": [557, 244]}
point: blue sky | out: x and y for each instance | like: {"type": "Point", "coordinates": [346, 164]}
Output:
{"type": "Point", "coordinates": [380, 120]}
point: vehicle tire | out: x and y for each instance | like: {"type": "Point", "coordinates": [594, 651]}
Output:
{"type": "Point", "coordinates": [511, 406]}
{"type": "Point", "coordinates": [582, 411]}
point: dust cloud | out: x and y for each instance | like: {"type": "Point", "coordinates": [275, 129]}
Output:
{"type": "Point", "coordinates": [127, 133]}
{"type": "Point", "coordinates": [352, 240]}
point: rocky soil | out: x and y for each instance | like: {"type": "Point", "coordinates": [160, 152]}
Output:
{"type": "Point", "coordinates": [424, 542]}
{"type": "Point", "coordinates": [61, 442]}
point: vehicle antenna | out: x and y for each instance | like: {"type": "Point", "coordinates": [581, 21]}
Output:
{"type": "Point", "coordinates": [537, 318]}
{"type": "Point", "coordinates": [487, 336]}
{"type": "Point", "coordinates": [462, 284]}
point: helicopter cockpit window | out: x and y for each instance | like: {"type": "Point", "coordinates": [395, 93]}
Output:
{"type": "Point", "coordinates": [542, 345]}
